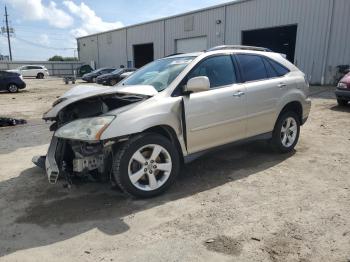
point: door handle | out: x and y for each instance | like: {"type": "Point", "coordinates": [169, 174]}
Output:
{"type": "Point", "coordinates": [281, 85]}
{"type": "Point", "coordinates": [238, 94]}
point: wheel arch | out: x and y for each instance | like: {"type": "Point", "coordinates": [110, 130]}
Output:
{"type": "Point", "coordinates": [294, 106]}
{"type": "Point", "coordinates": [169, 133]}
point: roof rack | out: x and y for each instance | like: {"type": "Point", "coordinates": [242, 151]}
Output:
{"type": "Point", "coordinates": [242, 47]}
{"type": "Point", "coordinates": [174, 54]}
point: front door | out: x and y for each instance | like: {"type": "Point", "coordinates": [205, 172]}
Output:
{"type": "Point", "coordinates": [217, 116]}
{"type": "Point", "coordinates": [24, 71]}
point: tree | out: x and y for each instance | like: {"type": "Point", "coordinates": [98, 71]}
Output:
{"type": "Point", "coordinates": [60, 58]}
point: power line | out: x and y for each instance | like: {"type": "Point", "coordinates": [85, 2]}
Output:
{"type": "Point", "coordinates": [43, 46]}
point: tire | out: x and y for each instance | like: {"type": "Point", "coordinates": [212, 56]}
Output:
{"type": "Point", "coordinates": [142, 147]}
{"type": "Point", "coordinates": [284, 140]}
{"type": "Point", "coordinates": [342, 102]}
{"type": "Point", "coordinates": [93, 80]}
{"type": "Point", "coordinates": [12, 88]}
{"type": "Point", "coordinates": [40, 76]}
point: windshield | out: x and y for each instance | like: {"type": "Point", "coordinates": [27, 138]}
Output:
{"type": "Point", "coordinates": [159, 73]}
{"type": "Point", "coordinates": [117, 71]}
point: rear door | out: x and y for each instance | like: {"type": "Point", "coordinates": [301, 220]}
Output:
{"type": "Point", "coordinates": [264, 88]}
{"type": "Point", "coordinates": [216, 116]}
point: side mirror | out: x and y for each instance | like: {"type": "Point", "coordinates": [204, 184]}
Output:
{"type": "Point", "coordinates": [197, 84]}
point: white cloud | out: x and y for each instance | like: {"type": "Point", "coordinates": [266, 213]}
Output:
{"type": "Point", "coordinates": [90, 22]}
{"type": "Point", "coordinates": [44, 39]}
{"type": "Point", "coordinates": [36, 10]}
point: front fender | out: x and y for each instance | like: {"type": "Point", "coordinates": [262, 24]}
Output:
{"type": "Point", "coordinates": [151, 113]}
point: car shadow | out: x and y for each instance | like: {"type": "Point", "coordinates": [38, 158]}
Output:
{"type": "Point", "coordinates": [52, 213]}
{"type": "Point", "coordinates": [338, 108]}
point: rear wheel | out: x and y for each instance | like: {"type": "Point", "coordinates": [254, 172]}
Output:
{"type": "Point", "coordinates": [342, 102]}
{"type": "Point", "coordinates": [40, 76]}
{"type": "Point", "coordinates": [146, 165]}
{"type": "Point", "coordinates": [12, 88]}
{"type": "Point", "coordinates": [286, 132]}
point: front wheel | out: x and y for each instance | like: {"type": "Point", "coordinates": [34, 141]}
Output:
{"type": "Point", "coordinates": [342, 102]}
{"type": "Point", "coordinates": [286, 132]}
{"type": "Point", "coordinates": [146, 165]}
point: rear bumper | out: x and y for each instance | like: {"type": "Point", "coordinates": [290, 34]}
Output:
{"type": "Point", "coordinates": [342, 94]}
{"type": "Point", "coordinates": [21, 85]}
{"type": "Point", "coordinates": [306, 109]}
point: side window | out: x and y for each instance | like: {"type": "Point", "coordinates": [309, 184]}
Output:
{"type": "Point", "coordinates": [271, 72]}
{"type": "Point", "coordinates": [252, 67]}
{"type": "Point", "coordinates": [219, 70]}
{"type": "Point", "coordinates": [24, 68]}
{"type": "Point", "coordinates": [280, 69]}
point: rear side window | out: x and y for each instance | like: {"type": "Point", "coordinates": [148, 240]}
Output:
{"type": "Point", "coordinates": [219, 70]}
{"type": "Point", "coordinates": [279, 69]}
{"type": "Point", "coordinates": [252, 67]}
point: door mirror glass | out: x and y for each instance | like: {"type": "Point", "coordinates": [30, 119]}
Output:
{"type": "Point", "coordinates": [197, 84]}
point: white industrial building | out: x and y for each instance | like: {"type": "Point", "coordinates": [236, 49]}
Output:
{"type": "Point", "coordinates": [314, 34]}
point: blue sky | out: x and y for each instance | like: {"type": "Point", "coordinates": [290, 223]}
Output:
{"type": "Point", "coordinates": [44, 28]}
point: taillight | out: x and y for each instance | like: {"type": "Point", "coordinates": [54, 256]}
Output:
{"type": "Point", "coordinates": [342, 85]}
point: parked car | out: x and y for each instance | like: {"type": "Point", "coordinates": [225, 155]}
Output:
{"type": "Point", "coordinates": [11, 81]}
{"type": "Point", "coordinates": [138, 133]}
{"type": "Point", "coordinates": [343, 90]}
{"type": "Point", "coordinates": [91, 77]}
{"type": "Point", "coordinates": [114, 77]}
{"type": "Point", "coordinates": [37, 71]}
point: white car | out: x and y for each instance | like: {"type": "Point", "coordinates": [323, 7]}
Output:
{"type": "Point", "coordinates": [37, 71]}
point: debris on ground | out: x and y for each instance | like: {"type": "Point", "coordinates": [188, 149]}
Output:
{"type": "Point", "coordinates": [6, 121]}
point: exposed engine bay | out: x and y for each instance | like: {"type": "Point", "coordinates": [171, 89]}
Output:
{"type": "Point", "coordinates": [69, 158]}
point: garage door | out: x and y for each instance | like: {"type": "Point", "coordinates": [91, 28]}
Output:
{"type": "Point", "coordinates": [194, 44]}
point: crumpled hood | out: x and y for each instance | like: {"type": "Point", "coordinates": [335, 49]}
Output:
{"type": "Point", "coordinates": [82, 92]}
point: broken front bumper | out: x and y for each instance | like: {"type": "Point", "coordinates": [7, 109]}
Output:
{"type": "Point", "coordinates": [51, 166]}
{"type": "Point", "coordinates": [64, 158]}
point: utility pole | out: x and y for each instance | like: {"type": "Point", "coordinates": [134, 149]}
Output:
{"type": "Point", "coordinates": [8, 33]}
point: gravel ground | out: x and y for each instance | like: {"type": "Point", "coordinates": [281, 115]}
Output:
{"type": "Point", "coordinates": [239, 204]}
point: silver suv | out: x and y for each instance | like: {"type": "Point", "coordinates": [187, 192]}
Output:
{"type": "Point", "coordinates": [138, 133]}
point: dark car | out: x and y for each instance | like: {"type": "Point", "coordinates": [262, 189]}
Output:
{"type": "Point", "coordinates": [11, 81]}
{"type": "Point", "coordinates": [114, 77]}
{"type": "Point", "coordinates": [91, 77]}
{"type": "Point", "coordinates": [343, 90]}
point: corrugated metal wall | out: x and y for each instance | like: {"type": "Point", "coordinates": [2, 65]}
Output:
{"type": "Point", "coordinates": [323, 34]}
{"type": "Point", "coordinates": [112, 48]}
{"type": "Point", "coordinates": [204, 24]}
{"type": "Point", "coordinates": [339, 45]}
{"type": "Point", "coordinates": [311, 16]}
{"type": "Point", "coordinates": [87, 49]}
{"type": "Point", "coordinates": [147, 33]}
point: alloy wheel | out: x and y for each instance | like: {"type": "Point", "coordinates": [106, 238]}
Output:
{"type": "Point", "coordinates": [13, 88]}
{"type": "Point", "coordinates": [289, 131]}
{"type": "Point", "coordinates": [150, 167]}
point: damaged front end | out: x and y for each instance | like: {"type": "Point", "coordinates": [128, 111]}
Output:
{"type": "Point", "coordinates": [79, 119]}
